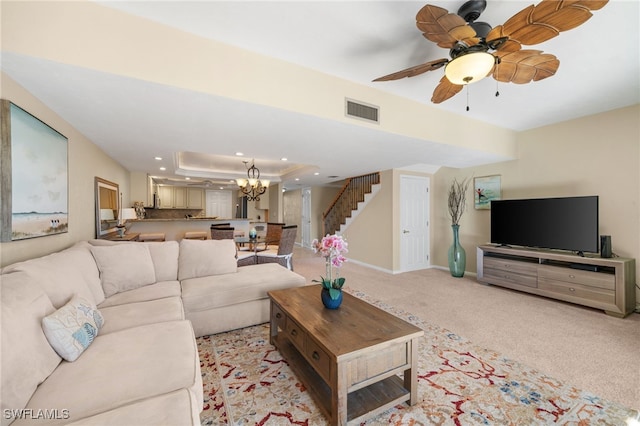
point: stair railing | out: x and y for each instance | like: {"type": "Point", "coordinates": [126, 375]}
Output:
{"type": "Point", "coordinates": [346, 201]}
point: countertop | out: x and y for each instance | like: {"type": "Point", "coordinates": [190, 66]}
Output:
{"type": "Point", "coordinates": [192, 219]}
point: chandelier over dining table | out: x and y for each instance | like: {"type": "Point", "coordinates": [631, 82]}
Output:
{"type": "Point", "coordinates": [252, 186]}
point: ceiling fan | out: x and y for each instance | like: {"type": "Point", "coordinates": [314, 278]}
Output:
{"type": "Point", "coordinates": [477, 50]}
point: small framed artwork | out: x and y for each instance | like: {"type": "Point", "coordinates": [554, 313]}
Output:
{"type": "Point", "coordinates": [486, 188]}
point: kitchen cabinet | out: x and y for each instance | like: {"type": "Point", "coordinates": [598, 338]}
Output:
{"type": "Point", "coordinates": [195, 198]}
{"type": "Point", "coordinates": [165, 197]}
{"type": "Point", "coordinates": [179, 197]}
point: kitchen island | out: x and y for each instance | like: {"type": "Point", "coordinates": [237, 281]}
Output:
{"type": "Point", "coordinates": [174, 229]}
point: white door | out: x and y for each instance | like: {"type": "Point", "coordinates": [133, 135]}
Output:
{"type": "Point", "coordinates": [305, 237]}
{"type": "Point", "coordinates": [219, 204]}
{"type": "Point", "coordinates": [414, 223]}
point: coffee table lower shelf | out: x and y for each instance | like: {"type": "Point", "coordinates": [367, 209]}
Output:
{"type": "Point", "coordinates": [362, 403]}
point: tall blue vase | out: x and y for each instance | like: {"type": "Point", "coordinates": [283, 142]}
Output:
{"type": "Point", "coordinates": [457, 255]}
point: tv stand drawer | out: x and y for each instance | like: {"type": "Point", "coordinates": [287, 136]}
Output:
{"type": "Point", "coordinates": [511, 266]}
{"type": "Point", "coordinates": [587, 293]}
{"type": "Point", "coordinates": [499, 276]}
{"type": "Point", "coordinates": [575, 276]}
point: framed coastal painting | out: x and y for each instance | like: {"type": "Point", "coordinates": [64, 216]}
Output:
{"type": "Point", "coordinates": [486, 189]}
{"type": "Point", "coordinates": [35, 177]}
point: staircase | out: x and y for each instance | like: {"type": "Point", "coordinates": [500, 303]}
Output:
{"type": "Point", "coordinates": [355, 193]}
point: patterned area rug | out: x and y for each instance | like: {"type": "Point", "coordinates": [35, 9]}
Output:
{"type": "Point", "coordinates": [246, 381]}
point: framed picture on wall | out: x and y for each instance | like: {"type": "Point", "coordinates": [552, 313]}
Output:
{"type": "Point", "coordinates": [34, 176]}
{"type": "Point", "coordinates": [485, 189]}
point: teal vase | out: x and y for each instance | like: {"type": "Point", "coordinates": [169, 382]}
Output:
{"type": "Point", "coordinates": [457, 255]}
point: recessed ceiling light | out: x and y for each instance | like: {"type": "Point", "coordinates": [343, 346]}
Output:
{"type": "Point", "coordinates": [239, 154]}
{"type": "Point", "coordinates": [297, 178]}
{"type": "Point", "coordinates": [158, 158]}
{"type": "Point", "coordinates": [187, 178]}
{"type": "Point", "coordinates": [284, 159]}
{"type": "Point", "coordinates": [316, 173]}
{"type": "Point", "coordinates": [163, 168]}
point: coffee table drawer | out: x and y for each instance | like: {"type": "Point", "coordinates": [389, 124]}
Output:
{"type": "Point", "coordinates": [278, 316]}
{"type": "Point", "coordinates": [365, 368]}
{"type": "Point", "coordinates": [295, 333]}
{"type": "Point", "coordinates": [319, 360]}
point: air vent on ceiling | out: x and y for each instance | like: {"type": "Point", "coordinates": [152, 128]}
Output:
{"type": "Point", "coordinates": [362, 111]}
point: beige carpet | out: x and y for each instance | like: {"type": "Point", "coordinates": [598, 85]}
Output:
{"type": "Point", "coordinates": [582, 346]}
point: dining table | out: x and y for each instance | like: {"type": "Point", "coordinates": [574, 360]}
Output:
{"type": "Point", "coordinates": [252, 243]}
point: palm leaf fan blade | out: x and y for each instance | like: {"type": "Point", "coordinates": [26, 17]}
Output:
{"type": "Point", "coordinates": [415, 70]}
{"type": "Point", "coordinates": [496, 34]}
{"type": "Point", "coordinates": [442, 27]}
{"type": "Point", "coordinates": [537, 24]}
{"type": "Point", "coordinates": [593, 4]}
{"type": "Point", "coordinates": [445, 90]}
{"type": "Point", "coordinates": [525, 66]}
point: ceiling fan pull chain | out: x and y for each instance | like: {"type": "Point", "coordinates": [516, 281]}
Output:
{"type": "Point", "coordinates": [467, 87]}
{"type": "Point", "coordinates": [497, 92]}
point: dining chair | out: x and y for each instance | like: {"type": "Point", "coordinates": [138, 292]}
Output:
{"type": "Point", "coordinates": [283, 254]}
{"type": "Point", "coordinates": [245, 258]}
{"type": "Point", "coordinates": [222, 233]}
{"type": "Point", "coordinates": [272, 238]}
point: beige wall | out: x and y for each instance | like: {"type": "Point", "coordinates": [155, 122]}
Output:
{"type": "Point", "coordinates": [321, 199]}
{"type": "Point", "coordinates": [370, 235]}
{"type": "Point", "coordinates": [86, 161]}
{"type": "Point", "coordinates": [596, 155]}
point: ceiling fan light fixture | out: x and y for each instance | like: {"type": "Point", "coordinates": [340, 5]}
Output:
{"type": "Point", "coordinates": [469, 68]}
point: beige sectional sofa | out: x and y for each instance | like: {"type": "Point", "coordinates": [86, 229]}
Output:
{"type": "Point", "coordinates": [132, 359]}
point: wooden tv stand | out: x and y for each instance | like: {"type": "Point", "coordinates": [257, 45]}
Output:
{"type": "Point", "coordinates": [606, 284]}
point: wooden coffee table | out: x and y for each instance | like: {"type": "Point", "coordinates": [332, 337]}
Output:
{"type": "Point", "coordinates": [349, 358]}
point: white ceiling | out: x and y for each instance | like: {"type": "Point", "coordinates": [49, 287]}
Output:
{"type": "Point", "coordinates": [357, 41]}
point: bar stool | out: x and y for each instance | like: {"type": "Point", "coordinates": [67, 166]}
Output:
{"type": "Point", "coordinates": [151, 236]}
{"type": "Point", "coordinates": [195, 235]}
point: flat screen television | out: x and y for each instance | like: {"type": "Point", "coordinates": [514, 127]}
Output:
{"type": "Point", "coordinates": [567, 223]}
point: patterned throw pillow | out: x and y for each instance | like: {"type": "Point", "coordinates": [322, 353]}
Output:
{"type": "Point", "coordinates": [71, 329]}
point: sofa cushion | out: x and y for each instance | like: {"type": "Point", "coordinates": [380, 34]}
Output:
{"type": "Point", "coordinates": [71, 329]}
{"type": "Point", "coordinates": [202, 258]}
{"type": "Point", "coordinates": [130, 315]}
{"type": "Point", "coordinates": [175, 408]}
{"type": "Point", "coordinates": [124, 267]}
{"type": "Point", "coordinates": [165, 259]}
{"type": "Point", "coordinates": [27, 357]}
{"type": "Point", "coordinates": [122, 368]}
{"type": "Point", "coordinates": [150, 292]}
{"type": "Point", "coordinates": [164, 255]}
{"type": "Point", "coordinates": [64, 274]}
{"type": "Point", "coordinates": [249, 283]}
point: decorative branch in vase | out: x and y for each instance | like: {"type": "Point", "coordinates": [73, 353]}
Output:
{"type": "Point", "coordinates": [457, 203]}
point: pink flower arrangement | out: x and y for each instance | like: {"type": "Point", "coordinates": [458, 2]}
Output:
{"type": "Point", "coordinates": [332, 247]}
